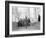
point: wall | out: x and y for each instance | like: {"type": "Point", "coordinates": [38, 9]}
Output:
{"type": "Point", "coordinates": [21, 12]}
{"type": "Point", "coordinates": [2, 19]}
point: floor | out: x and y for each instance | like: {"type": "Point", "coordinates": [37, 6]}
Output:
{"type": "Point", "coordinates": [33, 26]}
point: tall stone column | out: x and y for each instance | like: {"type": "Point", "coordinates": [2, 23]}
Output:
{"type": "Point", "coordinates": [33, 17]}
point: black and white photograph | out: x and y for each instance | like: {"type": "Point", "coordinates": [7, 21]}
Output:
{"type": "Point", "coordinates": [25, 18]}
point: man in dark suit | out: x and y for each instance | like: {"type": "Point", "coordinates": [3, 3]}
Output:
{"type": "Point", "coordinates": [39, 18]}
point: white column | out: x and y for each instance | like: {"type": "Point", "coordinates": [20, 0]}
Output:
{"type": "Point", "coordinates": [32, 15]}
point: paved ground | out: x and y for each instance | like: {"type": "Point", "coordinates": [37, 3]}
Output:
{"type": "Point", "coordinates": [33, 26]}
